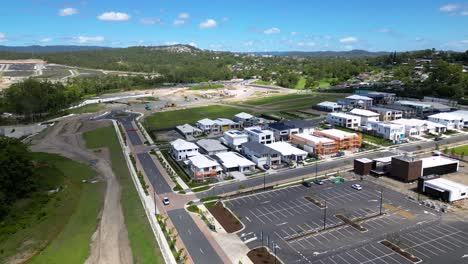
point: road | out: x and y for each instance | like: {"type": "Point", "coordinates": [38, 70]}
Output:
{"type": "Point", "coordinates": [153, 174]}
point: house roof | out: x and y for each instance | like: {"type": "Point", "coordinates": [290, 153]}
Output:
{"type": "Point", "coordinates": [413, 103]}
{"type": "Point", "coordinates": [206, 122]}
{"type": "Point", "coordinates": [202, 161]}
{"type": "Point", "coordinates": [416, 122]}
{"type": "Point", "coordinates": [244, 115]}
{"type": "Point", "coordinates": [383, 109]}
{"type": "Point", "coordinates": [291, 124]}
{"type": "Point", "coordinates": [338, 133]}
{"type": "Point", "coordinates": [344, 115]}
{"type": "Point", "coordinates": [445, 184]}
{"type": "Point", "coordinates": [435, 161]}
{"type": "Point", "coordinates": [258, 148]}
{"type": "Point", "coordinates": [235, 134]}
{"type": "Point", "coordinates": [224, 121]}
{"type": "Point", "coordinates": [258, 130]}
{"type": "Point", "coordinates": [180, 144]}
{"type": "Point", "coordinates": [461, 113]}
{"type": "Point", "coordinates": [315, 139]}
{"type": "Point", "coordinates": [286, 149]}
{"type": "Point", "coordinates": [187, 128]}
{"type": "Point", "coordinates": [329, 104]}
{"type": "Point", "coordinates": [446, 116]}
{"type": "Point", "coordinates": [211, 145]}
{"type": "Point", "coordinates": [362, 112]}
{"type": "Point", "coordinates": [233, 159]}
{"type": "Point", "coordinates": [358, 97]}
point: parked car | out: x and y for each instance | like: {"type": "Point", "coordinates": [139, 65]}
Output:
{"type": "Point", "coordinates": [319, 182]}
{"type": "Point", "coordinates": [307, 184]}
{"type": "Point", "coordinates": [166, 201]}
{"type": "Point", "coordinates": [356, 186]}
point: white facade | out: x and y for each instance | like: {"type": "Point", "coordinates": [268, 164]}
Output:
{"type": "Point", "coordinates": [463, 114]}
{"type": "Point", "coordinates": [288, 152]}
{"type": "Point", "coordinates": [256, 134]}
{"type": "Point", "coordinates": [234, 139]}
{"type": "Point", "coordinates": [207, 125]}
{"type": "Point", "coordinates": [449, 120]}
{"type": "Point", "coordinates": [387, 114]}
{"type": "Point", "coordinates": [329, 106]}
{"type": "Point", "coordinates": [390, 131]}
{"type": "Point", "coordinates": [182, 149]}
{"type": "Point", "coordinates": [416, 127]}
{"type": "Point", "coordinates": [365, 115]}
{"type": "Point", "coordinates": [203, 166]}
{"type": "Point", "coordinates": [344, 120]}
{"type": "Point", "coordinates": [356, 101]}
{"type": "Point", "coordinates": [456, 191]}
{"type": "Point", "coordinates": [233, 161]}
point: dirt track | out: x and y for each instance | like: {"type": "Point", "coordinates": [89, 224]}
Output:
{"type": "Point", "coordinates": [110, 241]}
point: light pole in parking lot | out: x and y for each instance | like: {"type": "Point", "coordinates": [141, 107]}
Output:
{"type": "Point", "coordinates": [381, 200]}
{"type": "Point", "coordinates": [264, 181]}
{"type": "Point", "coordinates": [325, 216]}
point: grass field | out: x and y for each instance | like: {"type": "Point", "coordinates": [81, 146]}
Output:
{"type": "Point", "coordinates": [90, 108]}
{"type": "Point", "coordinates": [461, 149]}
{"type": "Point", "coordinates": [206, 87]}
{"type": "Point", "coordinates": [169, 119]}
{"type": "Point", "coordinates": [142, 241]}
{"type": "Point", "coordinates": [325, 82]}
{"type": "Point", "coordinates": [301, 83]}
{"type": "Point", "coordinates": [58, 226]}
{"type": "Point", "coordinates": [292, 102]}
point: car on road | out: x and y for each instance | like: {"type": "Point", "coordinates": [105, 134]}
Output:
{"type": "Point", "coordinates": [166, 201]}
{"type": "Point", "coordinates": [307, 184]}
{"type": "Point", "coordinates": [319, 182]}
{"type": "Point", "coordinates": [356, 186]}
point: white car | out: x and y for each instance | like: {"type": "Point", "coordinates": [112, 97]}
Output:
{"type": "Point", "coordinates": [356, 186]}
{"type": "Point", "coordinates": [166, 201]}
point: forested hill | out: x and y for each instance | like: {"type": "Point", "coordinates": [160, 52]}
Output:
{"type": "Point", "coordinates": [317, 54]}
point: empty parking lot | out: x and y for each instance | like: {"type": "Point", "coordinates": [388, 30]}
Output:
{"type": "Point", "coordinates": [307, 232]}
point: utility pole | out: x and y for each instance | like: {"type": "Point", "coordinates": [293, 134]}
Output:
{"type": "Point", "coordinates": [381, 200]}
{"type": "Point", "coordinates": [325, 216]}
{"type": "Point", "coordinates": [264, 182]}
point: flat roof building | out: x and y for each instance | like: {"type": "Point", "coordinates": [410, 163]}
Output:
{"type": "Point", "coordinates": [345, 140]}
{"type": "Point", "coordinates": [233, 161]}
{"type": "Point", "coordinates": [288, 152]}
{"type": "Point", "coordinates": [451, 121]}
{"type": "Point", "coordinates": [234, 139]}
{"type": "Point", "coordinates": [344, 120]}
{"type": "Point", "coordinates": [315, 144]}
{"type": "Point", "coordinates": [284, 129]}
{"type": "Point", "coordinates": [211, 146]}
{"type": "Point", "coordinates": [387, 114]}
{"type": "Point", "coordinates": [443, 189]}
{"type": "Point", "coordinates": [328, 106]}
{"type": "Point", "coordinates": [259, 135]}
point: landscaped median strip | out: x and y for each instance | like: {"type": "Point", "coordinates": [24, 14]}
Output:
{"type": "Point", "coordinates": [147, 202]}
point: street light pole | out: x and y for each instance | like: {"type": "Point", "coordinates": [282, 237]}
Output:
{"type": "Point", "coordinates": [325, 216]}
{"type": "Point", "coordinates": [264, 182]}
{"type": "Point", "coordinates": [381, 200]}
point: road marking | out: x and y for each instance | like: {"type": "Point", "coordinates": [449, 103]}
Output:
{"type": "Point", "coordinates": [282, 224]}
{"type": "Point", "coordinates": [202, 251]}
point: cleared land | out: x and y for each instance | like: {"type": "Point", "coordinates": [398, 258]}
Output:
{"type": "Point", "coordinates": [57, 226]}
{"type": "Point", "coordinates": [206, 87]}
{"type": "Point", "coordinates": [142, 241]}
{"type": "Point", "coordinates": [170, 119]}
{"type": "Point", "coordinates": [90, 108]}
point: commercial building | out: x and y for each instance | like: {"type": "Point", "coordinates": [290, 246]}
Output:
{"type": "Point", "coordinates": [188, 130]}
{"type": "Point", "coordinates": [438, 165]}
{"type": "Point", "coordinates": [387, 114]}
{"type": "Point", "coordinates": [263, 156]}
{"type": "Point", "coordinates": [233, 161]}
{"type": "Point", "coordinates": [356, 101]}
{"type": "Point", "coordinates": [417, 127]}
{"type": "Point", "coordinates": [234, 139]}
{"type": "Point", "coordinates": [344, 120]}
{"type": "Point", "coordinates": [439, 188]}
{"type": "Point", "coordinates": [345, 140]}
{"type": "Point", "coordinates": [315, 144]}
{"type": "Point", "coordinates": [328, 106]}
{"type": "Point", "coordinates": [362, 166]}
{"type": "Point", "coordinates": [365, 115]}
{"type": "Point", "coordinates": [288, 152]}
{"type": "Point", "coordinates": [182, 149]}
{"type": "Point", "coordinates": [256, 134]}
{"type": "Point", "coordinates": [405, 168]}
{"type": "Point", "coordinates": [211, 146]}
{"type": "Point", "coordinates": [202, 167]}
{"type": "Point", "coordinates": [387, 130]}
{"type": "Point", "coordinates": [284, 129]}
{"type": "Point", "coordinates": [449, 120]}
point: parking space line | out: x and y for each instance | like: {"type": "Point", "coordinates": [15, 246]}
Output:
{"type": "Point", "coordinates": [285, 209]}
{"type": "Point", "coordinates": [344, 259]}
{"type": "Point", "coordinates": [437, 242]}
{"type": "Point", "coordinates": [385, 254]}
{"type": "Point", "coordinates": [425, 242]}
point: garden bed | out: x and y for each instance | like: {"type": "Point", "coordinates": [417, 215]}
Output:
{"type": "Point", "coordinates": [262, 256]}
{"type": "Point", "coordinates": [314, 201]}
{"type": "Point", "coordinates": [229, 221]}
{"type": "Point", "coordinates": [400, 251]}
{"type": "Point", "coordinates": [351, 223]}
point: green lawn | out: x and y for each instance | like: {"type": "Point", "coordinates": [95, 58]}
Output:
{"type": "Point", "coordinates": [206, 87]}
{"type": "Point", "coordinates": [292, 102]}
{"type": "Point", "coordinates": [301, 83]}
{"type": "Point", "coordinates": [369, 138]}
{"type": "Point", "coordinates": [56, 227]}
{"type": "Point", "coordinates": [262, 82]}
{"type": "Point", "coordinates": [325, 82]}
{"type": "Point", "coordinates": [461, 149]}
{"type": "Point", "coordinates": [169, 119]}
{"type": "Point", "coordinates": [142, 241]}
{"type": "Point", "coordinates": [90, 108]}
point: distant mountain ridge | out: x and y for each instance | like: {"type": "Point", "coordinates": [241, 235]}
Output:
{"type": "Point", "coordinates": [50, 49]}
{"type": "Point", "coordinates": [347, 54]}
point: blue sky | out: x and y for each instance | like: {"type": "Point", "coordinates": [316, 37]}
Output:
{"type": "Point", "coordinates": [254, 25]}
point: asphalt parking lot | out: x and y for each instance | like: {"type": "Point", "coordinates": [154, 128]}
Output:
{"type": "Point", "coordinates": [294, 225]}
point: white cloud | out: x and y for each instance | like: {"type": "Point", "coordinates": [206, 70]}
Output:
{"type": "Point", "coordinates": [114, 16]}
{"type": "Point", "coordinates": [193, 44]}
{"type": "Point", "coordinates": [294, 33]}
{"type": "Point", "coordinates": [150, 21]}
{"type": "Point", "coordinates": [270, 31]}
{"type": "Point", "coordinates": [184, 15]}
{"type": "Point", "coordinates": [179, 22]}
{"type": "Point", "coordinates": [2, 37]}
{"type": "Point", "coordinates": [306, 44]}
{"type": "Point", "coordinates": [68, 11]}
{"type": "Point", "coordinates": [45, 40]}
{"type": "Point", "coordinates": [464, 13]}
{"type": "Point", "coordinates": [209, 23]}
{"type": "Point", "coordinates": [87, 40]}
{"type": "Point", "coordinates": [449, 8]}
{"type": "Point", "coordinates": [349, 40]}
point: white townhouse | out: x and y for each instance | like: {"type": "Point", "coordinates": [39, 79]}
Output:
{"type": "Point", "coordinates": [208, 126]}
{"type": "Point", "coordinates": [365, 115]}
{"type": "Point", "coordinates": [262, 136]}
{"type": "Point", "coordinates": [344, 120]}
{"type": "Point", "coordinates": [202, 167]}
{"type": "Point", "coordinates": [356, 101]}
{"type": "Point", "coordinates": [182, 149]}
{"type": "Point", "coordinates": [390, 131]}
{"type": "Point", "coordinates": [449, 120]}
{"type": "Point", "coordinates": [329, 106]}
{"type": "Point", "coordinates": [234, 139]}
{"type": "Point", "coordinates": [288, 152]}
{"type": "Point", "coordinates": [233, 161]}
{"type": "Point", "coordinates": [416, 127]}
{"type": "Point", "coordinates": [387, 114]}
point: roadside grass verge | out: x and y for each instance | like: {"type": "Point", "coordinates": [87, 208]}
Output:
{"type": "Point", "coordinates": [262, 82]}
{"type": "Point", "coordinates": [57, 227]}
{"type": "Point", "coordinates": [368, 138]}
{"type": "Point", "coordinates": [461, 149]}
{"type": "Point", "coordinates": [170, 119]}
{"type": "Point", "coordinates": [206, 87]}
{"type": "Point", "coordinates": [90, 108]}
{"type": "Point", "coordinates": [142, 241]}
